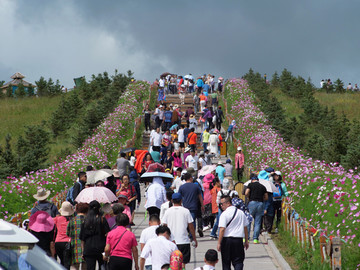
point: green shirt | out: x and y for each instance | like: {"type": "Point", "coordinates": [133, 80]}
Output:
{"type": "Point", "coordinates": [206, 136]}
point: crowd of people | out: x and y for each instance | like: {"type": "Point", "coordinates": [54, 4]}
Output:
{"type": "Point", "coordinates": [200, 197]}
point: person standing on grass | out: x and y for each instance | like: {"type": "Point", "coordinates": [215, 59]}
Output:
{"type": "Point", "coordinates": [180, 221]}
{"type": "Point", "coordinates": [233, 235]}
{"type": "Point", "coordinates": [239, 163]}
{"type": "Point", "coordinates": [257, 194]}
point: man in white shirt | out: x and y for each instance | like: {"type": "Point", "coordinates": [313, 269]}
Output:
{"type": "Point", "coordinates": [159, 249]}
{"type": "Point", "coordinates": [147, 234]}
{"type": "Point", "coordinates": [156, 140]}
{"type": "Point", "coordinates": [181, 137]}
{"type": "Point", "coordinates": [155, 196]}
{"type": "Point", "coordinates": [178, 181]}
{"type": "Point", "coordinates": [192, 161]}
{"type": "Point", "coordinates": [179, 220]}
{"type": "Point", "coordinates": [233, 229]}
{"type": "Point", "coordinates": [211, 259]}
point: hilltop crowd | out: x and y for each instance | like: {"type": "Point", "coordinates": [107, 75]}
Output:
{"type": "Point", "coordinates": [199, 197]}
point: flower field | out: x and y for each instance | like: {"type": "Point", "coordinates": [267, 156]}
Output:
{"type": "Point", "coordinates": [324, 195]}
{"type": "Point", "coordinates": [99, 150]}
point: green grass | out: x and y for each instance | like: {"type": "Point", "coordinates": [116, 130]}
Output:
{"type": "Point", "coordinates": [290, 105]}
{"type": "Point", "coordinates": [15, 114]}
{"type": "Point", "coordinates": [347, 103]}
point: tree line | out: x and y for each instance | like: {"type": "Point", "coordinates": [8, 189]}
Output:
{"type": "Point", "coordinates": [319, 130]}
{"type": "Point", "coordinates": [78, 114]}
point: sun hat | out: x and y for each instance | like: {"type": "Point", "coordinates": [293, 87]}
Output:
{"type": "Point", "coordinates": [187, 149]}
{"type": "Point", "coordinates": [220, 163]}
{"type": "Point", "coordinates": [269, 170]}
{"type": "Point", "coordinates": [239, 148]}
{"type": "Point", "coordinates": [208, 178]}
{"type": "Point", "coordinates": [202, 153]}
{"type": "Point", "coordinates": [41, 194]}
{"type": "Point", "coordinates": [116, 173]}
{"type": "Point", "coordinates": [278, 173]}
{"type": "Point", "coordinates": [176, 106]}
{"type": "Point", "coordinates": [66, 209]}
{"type": "Point", "coordinates": [41, 221]}
{"type": "Point", "coordinates": [123, 196]}
{"type": "Point", "coordinates": [176, 196]}
{"type": "Point", "coordinates": [192, 116]}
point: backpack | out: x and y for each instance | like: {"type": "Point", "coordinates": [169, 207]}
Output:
{"type": "Point", "coordinates": [239, 204]}
{"type": "Point", "coordinates": [278, 192]}
{"type": "Point", "coordinates": [46, 209]}
{"type": "Point", "coordinates": [69, 195]}
{"type": "Point", "coordinates": [230, 128]}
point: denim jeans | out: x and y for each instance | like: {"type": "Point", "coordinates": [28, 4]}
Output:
{"type": "Point", "coordinates": [257, 211]}
{"type": "Point", "coordinates": [214, 230]}
{"type": "Point", "coordinates": [193, 215]}
{"type": "Point", "coordinates": [205, 144]}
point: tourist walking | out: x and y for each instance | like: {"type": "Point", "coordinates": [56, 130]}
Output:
{"type": "Point", "coordinates": [233, 231]}
{"type": "Point", "coordinates": [239, 163]}
{"type": "Point", "coordinates": [155, 196]}
{"type": "Point", "coordinates": [121, 246]}
{"type": "Point", "coordinates": [43, 204]}
{"type": "Point", "coordinates": [147, 234]}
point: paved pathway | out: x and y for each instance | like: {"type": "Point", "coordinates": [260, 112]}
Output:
{"type": "Point", "coordinates": [258, 256]}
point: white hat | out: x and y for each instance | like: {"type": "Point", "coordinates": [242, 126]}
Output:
{"type": "Point", "coordinates": [220, 163]}
{"type": "Point", "coordinates": [239, 148]}
{"type": "Point", "coordinates": [161, 106]}
{"type": "Point", "coordinates": [278, 173]}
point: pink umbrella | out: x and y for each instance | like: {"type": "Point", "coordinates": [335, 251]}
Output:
{"type": "Point", "coordinates": [100, 194]}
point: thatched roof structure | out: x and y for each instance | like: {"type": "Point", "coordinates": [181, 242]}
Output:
{"type": "Point", "coordinates": [17, 79]}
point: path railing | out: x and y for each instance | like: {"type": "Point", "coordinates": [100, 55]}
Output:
{"type": "Point", "coordinates": [306, 235]}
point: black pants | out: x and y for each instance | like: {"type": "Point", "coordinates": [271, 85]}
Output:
{"type": "Point", "coordinates": [91, 261]}
{"type": "Point", "coordinates": [158, 122]}
{"type": "Point", "coordinates": [218, 125]}
{"type": "Point", "coordinates": [277, 209]}
{"type": "Point", "coordinates": [59, 249]}
{"type": "Point", "coordinates": [156, 148]}
{"type": "Point", "coordinates": [153, 210]}
{"type": "Point", "coordinates": [232, 252]}
{"type": "Point", "coordinates": [210, 122]}
{"type": "Point", "coordinates": [147, 123]}
{"type": "Point", "coordinates": [268, 223]}
{"type": "Point", "coordinates": [120, 263]}
{"type": "Point", "coordinates": [239, 172]}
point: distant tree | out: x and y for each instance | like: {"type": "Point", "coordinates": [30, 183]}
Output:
{"type": "Point", "coordinates": [286, 81]}
{"type": "Point", "coordinates": [31, 91]}
{"type": "Point", "coordinates": [275, 81]}
{"type": "Point", "coordinates": [2, 83]}
{"type": "Point", "coordinates": [32, 150]}
{"type": "Point", "coordinates": [20, 91]}
{"type": "Point", "coordinates": [8, 164]}
{"type": "Point", "coordinates": [9, 91]}
{"type": "Point", "coordinates": [352, 157]}
{"type": "Point", "coordinates": [42, 87]}
{"type": "Point", "coordinates": [339, 86]}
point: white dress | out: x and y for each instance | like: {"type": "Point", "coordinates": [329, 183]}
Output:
{"type": "Point", "coordinates": [213, 143]}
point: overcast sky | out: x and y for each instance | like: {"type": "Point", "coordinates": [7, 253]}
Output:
{"type": "Point", "coordinates": [66, 39]}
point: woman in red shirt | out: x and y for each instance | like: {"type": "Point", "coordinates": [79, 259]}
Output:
{"type": "Point", "coordinates": [61, 223]}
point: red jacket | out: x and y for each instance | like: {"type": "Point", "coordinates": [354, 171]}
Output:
{"type": "Point", "coordinates": [239, 160]}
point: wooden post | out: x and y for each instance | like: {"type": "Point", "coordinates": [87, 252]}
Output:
{"type": "Point", "coordinates": [336, 253]}
{"type": "Point", "coordinates": [323, 248]}
{"type": "Point", "coordinates": [301, 234]}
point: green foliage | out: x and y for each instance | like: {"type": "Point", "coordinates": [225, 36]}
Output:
{"type": "Point", "coordinates": [20, 91]}
{"type": "Point", "coordinates": [31, 91]}
{"type": "Point", "coordinates": [275, 81]}
{"type": "Point", "coordinates": [41, 85]}
{"type": "Point", "coordinates": [339, 86]}
{"type": "Point", "coordinates": [9, 91]}
{"type": "Point", "coordinates": [7, 159]}
{"type": "Point", "coordinates": [32, 150]}
{"type": "Point", "coordinates": [48, 88]}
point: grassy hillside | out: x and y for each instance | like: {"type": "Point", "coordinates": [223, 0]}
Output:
{"type": "Point", "coordinates": [349, 103]}
{"type": "Point", "coordinates": [15, 114]}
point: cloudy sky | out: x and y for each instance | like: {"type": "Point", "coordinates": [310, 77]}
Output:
{"type": "Point", "coordinates": [64, 39]}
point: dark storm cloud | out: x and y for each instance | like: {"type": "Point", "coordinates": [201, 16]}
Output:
{"type": "Point", "coordinates": [311, 38]}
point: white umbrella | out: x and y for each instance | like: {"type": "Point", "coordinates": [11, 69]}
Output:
{"type": "Point", "coordinates": [100, 194]}
{"type": "Point", "coordinates": [93, 176]}
{"type": "Point", "coordinates": [270, 187]}
{"type": "Point", "coordinates": [207, 169]}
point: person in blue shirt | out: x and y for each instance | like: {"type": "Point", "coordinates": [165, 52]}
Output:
{"type": "Point", "coordinates": [167, 121]}
{"type": "Point", "coordinates": [199, 84]}
{"type": "Point", "coordinates": [220, 171]}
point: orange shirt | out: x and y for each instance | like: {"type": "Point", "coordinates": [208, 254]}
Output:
{"type": "Point", "coordinates": [202, 97]}
{"type": "Point", "coordinates": [214, 205]}
{"type": "Point", "coordinates": [192, 138]}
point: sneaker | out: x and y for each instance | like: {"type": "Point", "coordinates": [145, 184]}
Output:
{"type": "Point", "coordinates": [276, 230]}
{"type": "Point", "coordinates": [256, 241]}
{"type": "Point", "coordinates": [206, 228]}
{"type": "Point", "coordinates": [200, 231]}
{"type": "Point", "coordinates": [213, 237]}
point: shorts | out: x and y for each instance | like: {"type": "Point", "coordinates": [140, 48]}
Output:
{"type": "Point", "coordinates": [185, 250]}
{"type": "Point", "coordinates": [182, 145]}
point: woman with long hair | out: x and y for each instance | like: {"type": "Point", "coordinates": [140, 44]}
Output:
{"type": "Point", "coordinates": [93, 236]}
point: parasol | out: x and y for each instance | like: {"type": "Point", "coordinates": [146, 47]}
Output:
{"type": "Point", "coordinates": [155, 170]}
{"type": "Point", "coordinates": [206, 170]}
{"type": "Point", "coordinates": [93, 176]}
{"type": "Point", "coordinates": [100, 194]}
{"type": "Point", "coordinates": [270, 187]}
